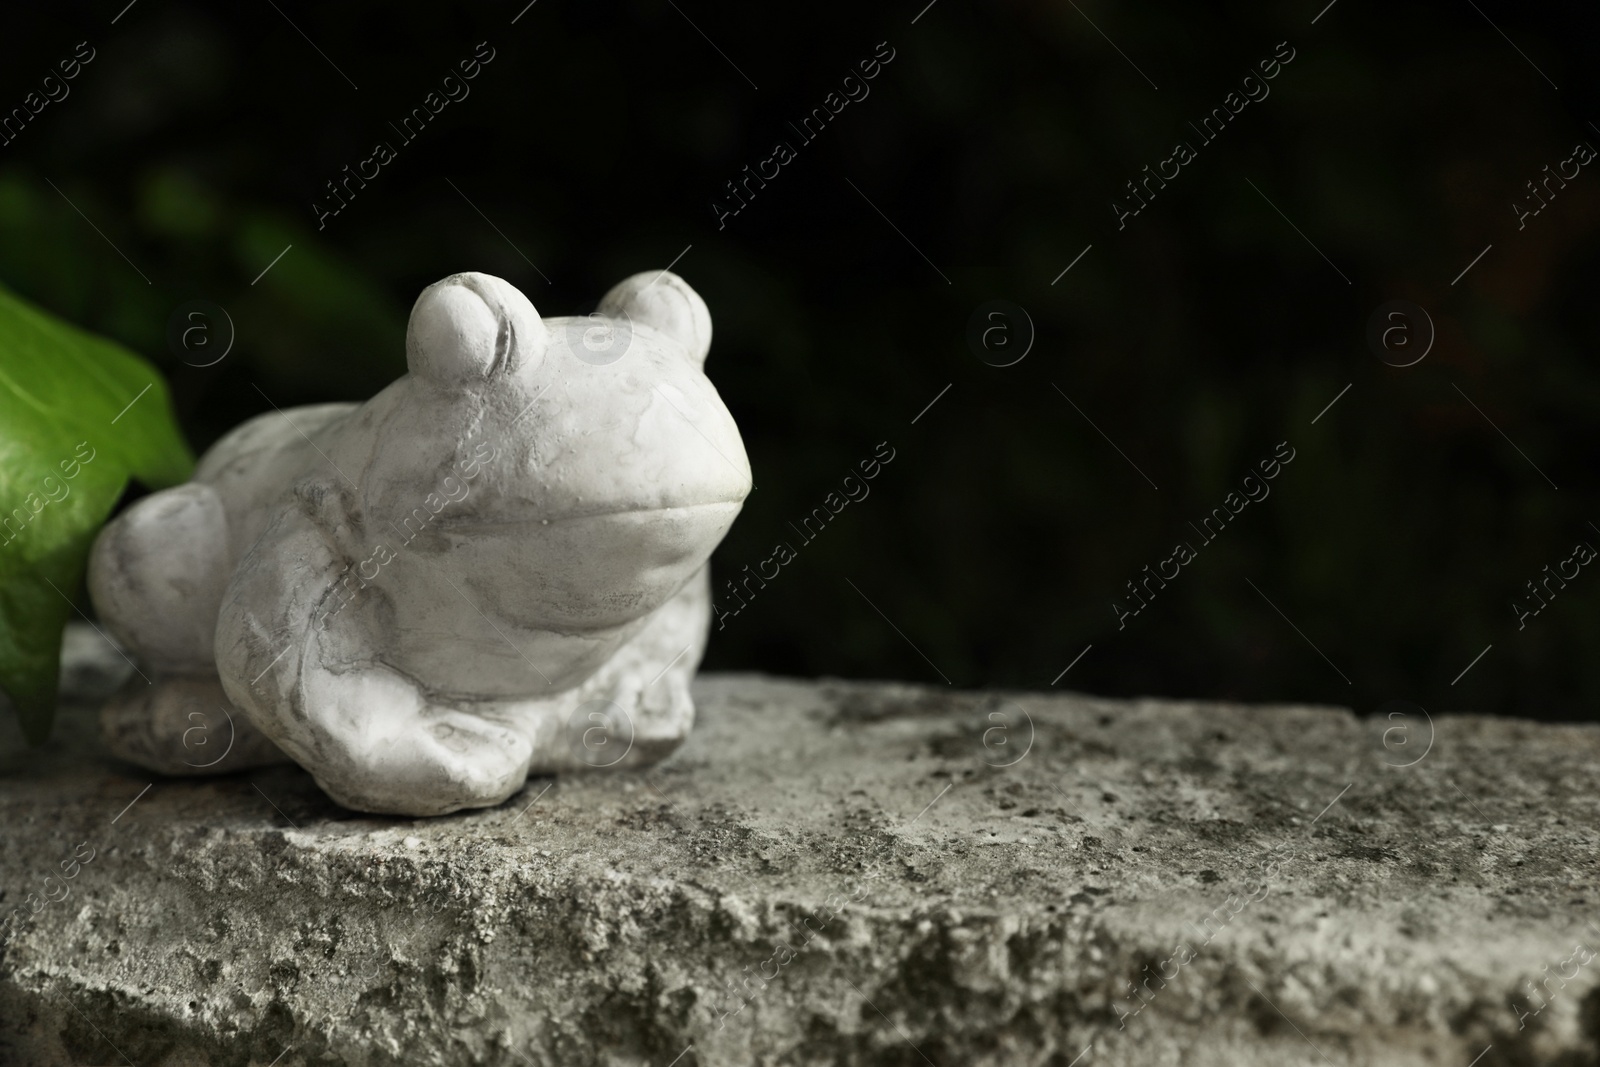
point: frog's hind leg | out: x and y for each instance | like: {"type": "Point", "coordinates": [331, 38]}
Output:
{"type": "Point", "coordinates": [157, 575]}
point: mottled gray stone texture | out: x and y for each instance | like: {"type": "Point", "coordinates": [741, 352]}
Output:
{"type": "Point", "coordinates": [836, 873]}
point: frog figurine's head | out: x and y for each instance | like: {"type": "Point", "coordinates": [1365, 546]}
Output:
{"type": "Point", "coordinates": [574, 472]}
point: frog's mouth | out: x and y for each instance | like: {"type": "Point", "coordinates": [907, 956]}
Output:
{"type": "Point", "coordinates": [533, 520]}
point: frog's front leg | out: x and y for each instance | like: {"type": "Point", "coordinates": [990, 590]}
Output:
{"type": "Point", "coordinates": [636, 709]}
{"type": "Point", "coordinates": [372, 737]}
{"type": "Point", "coordinates": [375, 740]}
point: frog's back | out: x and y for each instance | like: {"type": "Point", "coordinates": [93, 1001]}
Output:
{"type": "Point", "coordinates": [256, 461]}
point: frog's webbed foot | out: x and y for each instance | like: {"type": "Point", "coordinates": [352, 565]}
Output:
{"type": "Point", "coordinates": [183, 725]}
{"type": "Point", "coordinates": [637, 709]}
{"type": "Point", "coordinates": [374, 742]}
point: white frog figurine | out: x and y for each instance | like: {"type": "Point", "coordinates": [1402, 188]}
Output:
{"type": "Point", "coordinates": [496, 566]}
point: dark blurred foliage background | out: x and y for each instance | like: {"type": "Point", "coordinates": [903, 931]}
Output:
{"type": "Point", "coordinates": [990, 549]}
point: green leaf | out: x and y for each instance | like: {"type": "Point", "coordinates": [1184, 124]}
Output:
{"type": "Point", "coordinates": [79, 415]}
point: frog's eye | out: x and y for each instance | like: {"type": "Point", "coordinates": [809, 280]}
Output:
{"type": "Point", "coordinates": [663, 300]}
{"type": "Point", "coordinates": [470, 327]}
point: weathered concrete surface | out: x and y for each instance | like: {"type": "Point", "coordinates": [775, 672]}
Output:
{"type": "Point", "coordinates": [985, 914]}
